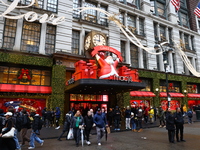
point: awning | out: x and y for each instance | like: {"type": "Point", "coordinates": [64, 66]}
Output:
{"type": "Point", "coordinates": [164, 94]}
{"type": "Point", "coordinates": [142, 94]}
{"type": "Point", "coordinates": [193, 95]}
{"type": "Point", "coordinates": [25, 88]}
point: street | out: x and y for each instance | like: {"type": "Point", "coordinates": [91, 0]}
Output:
{"type": "Point", "coordinates": [156, 139]}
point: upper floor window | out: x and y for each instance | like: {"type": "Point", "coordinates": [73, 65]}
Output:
{"type": "Point", "coordinates": [31, 37]}
{"type": "Point", "coordinates": [162, 33]}
{"type": "Point", "coordinates": [75, 42]}
{"type": "Point", "coordinates": [103, 20]}
{"type": "Point", "coordinates": [123, 50]}
{"type": "Point", "coordinates": [158, 8]}
{"type": "Point", "coordinates": [134, 55]}
{"type": "Point", "coordinates": [145, 59]}
{"type": "Point", "coordinates": [52, 5]}
{"type": "Point", "coordinates": [90, 14]}
{"type": "Point", "coordinates": [131, 22]}
{"type": "Point", "coordinates": [50, 39]}
{"type": "Point", "coordinates": [133, 3]}
{"type": "Point", "coordinates": [186, 39]}
{"type": "Point", "coordinates": [183, 14]}
{"type": "Point", "coordinates": [121, 17]}
{"type": "Point", "coordinates": [9, 33]}
{"type": "Point", "coordinates": [76, 4]}
{"type": "Point", "coordinates": [141, 27]}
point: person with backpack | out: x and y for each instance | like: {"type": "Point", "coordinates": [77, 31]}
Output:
{"type": "Point", "coordinates": [190, 115]}
{"type": "Point", "coordinates": [36, 127]}
{"type": "Point", "coordinates": [26, 124]}
{"type": "Point", "coordinates": [66, 126]}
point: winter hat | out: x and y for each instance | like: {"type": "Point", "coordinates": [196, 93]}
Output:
{"type": "Point", "coordinates": [140, 110]}
{"type": "Point", "coordinates": [99, 109]}
{"type": "Point", "coordinates": [132, 113]}
{"type": "Point", "coordinates": [8, 114]}
{"type": "Point", "coordinates": [37, 115]}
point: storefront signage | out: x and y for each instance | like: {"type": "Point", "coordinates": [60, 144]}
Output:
{"type": "Point", "coordinates": [31, 16]}
{"type": "Point", "coordinates": [70, 81]}
{"type": "Point", "coordinates": [122, 78]}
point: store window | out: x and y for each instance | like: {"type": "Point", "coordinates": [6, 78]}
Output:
{"type": "Point", "coordinates": [31, 37]}
{"type": "Point", "coordinates": [134, 55]}
{"type": "Point", "coordinates": [192, 88]}
{"type": "Point", "coordinates": [148, 83]}
{"type": "Point", "coordinates": [9, 33]}
{"type": "Point", "coordinates": [76, 4]}
{"type": "Point", "coordinates": [75, 42]}
{"type": "Point", "coordinates": [90, 14]}
{"type": "Point", "coordinates": [172, 86]}
{"type": "Point", "coordinates": [50, 39]}
{"type": "Point", "coordinates": [14, 75]}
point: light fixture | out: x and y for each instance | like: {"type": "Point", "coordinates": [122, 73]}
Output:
{"type": "Point", "coordinates": [185, 91]}
{"type": "Point", "coordinates": [157, 89]}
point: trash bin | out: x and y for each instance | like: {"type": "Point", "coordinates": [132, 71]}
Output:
{"type": "Point", "coordinates": [198, 114]}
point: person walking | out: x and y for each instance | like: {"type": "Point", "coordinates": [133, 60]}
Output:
{"type": "Point", "coordinates": [26, 124]}
{"type": "Point", "coordinates": [133, 122]}
{"type": "Point", "coordinates": [58, 113]}
{"type": "Point", "coordinates": [190, 115]}
{"type": "Point", "coordinates": [66, 126]}
{"type": "Point", "coordinates": [127, 117]}
{"type": "Point", "coordinates": [77, 124]}
{"type": "Point", "coordinates": [151, 115]}
{"type": "Point", "coordinates": [146, 114]}
{"type": "Point", "coordinates": [117, 116]}
{"type": "Point", "coordinates": [88, 120]}
{"type": "Point", "coordinates": [48, 118]}
{"type": "Point", "coordinates": [170, 125]}
{"type": "Point", "coordinates": [36, 127]}
{"type": "Point", "coordinates": [8, 143]}
{"type": "Point", "coordinates": [179, 121]}
{"type": "Point", "coordinates": [161, 117]}
{"type": "Point", "coordinates": [44, 115]}
{"type": "Point", "coordinates": [139, 117]}
{"type": "Point", "coordinates": [101, 123]}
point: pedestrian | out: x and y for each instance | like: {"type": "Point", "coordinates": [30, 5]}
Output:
{"type": "Point", "coordinates": [53, 117]}
{"type": "Point", "coordinates": [57, 115]}
{"type": "Point", "coordinates": [26, 124]}
{"type": "Point", "coordinates": [170, 125]}
{"type": "Point", "coordinates": [151, 115]}
{"type": "Point", "coordinates": [190, 115]}
{"type": "Point", "coordinates": [101, 123]}
{"type": "Point", "coordinates": [88, 120]}
{"type": "Point", "coordinates": [155, 113]}
{"type": "Point", "coordinates": [161, 117]}
{"type": "Point", "coordinates": [92, 112]}
{"type": "Point", "coordinates": [139, 117]}
{"type": "Point", "coordinates": [66, 126]}
{"type": "Point", "coordinates": [146, 114]}
{"type": "Point", "coordinates": [133, 122]}
{"type": "Point", "coordinates": [117, 116]}
{"type": "Point", "coordinates": [127, 117]}
{"type": "Point", "coordinates": [2, 123]}
{"type": "Point", "coordinates": [8, 143]}
{"type": "Point", "coordinates": [110, 117]}
{"type": "Point", "coordinates": [179, 121]}
{"type": "Point", "coordinates": [48, 118]}
{"type": "Point", "coordinates": [44, 115]}
{"type": "Point", "coordinates": [36, 127]}
{"type": "Point", "coordinates": [77, 124]}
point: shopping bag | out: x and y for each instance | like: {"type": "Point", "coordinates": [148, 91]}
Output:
{"type": "Point", "coordinates": [9, 134]}
{"type": "Point", "coordinates": [70, 134]}
{"type": "Point", "coordinates": [108, 130]}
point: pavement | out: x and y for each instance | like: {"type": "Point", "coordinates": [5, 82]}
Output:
{"type": "Point", "coordinates": [125, 139]}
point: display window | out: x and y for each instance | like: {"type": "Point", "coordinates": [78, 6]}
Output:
{"type": "Point", "coordinates": [192, 103]}
{"type": "Point", "coordinates": [140, 103]}
{"type": "Point", "coordinates": [31, 105]}
{"type": "Point", "coordinates": [173, 104]}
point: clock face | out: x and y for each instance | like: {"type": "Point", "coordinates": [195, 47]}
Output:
{"type": "Point", "coordinates": [87, 42]}
{"type": "Point", "coordinates": [98, 39]}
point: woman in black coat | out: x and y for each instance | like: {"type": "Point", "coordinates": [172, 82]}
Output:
{"type": "Point", "coordinates": [88, 120]}
{"type": "Point", "coordinates": [170, 125]}
{"type": "Point", "coordinates": [8, 143]}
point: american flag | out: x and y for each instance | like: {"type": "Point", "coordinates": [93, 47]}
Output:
{"type": "Point", "coordinates": [197, 10]}
{"type": "Point", "coordinates": [176, 4]}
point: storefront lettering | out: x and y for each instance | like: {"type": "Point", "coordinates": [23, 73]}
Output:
{"type": "Point", "coordinates": [31, 16]}
{"type": "Point", "coordinates": [123, 78]}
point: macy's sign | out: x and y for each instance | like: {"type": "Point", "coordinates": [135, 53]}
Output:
{"type": "Point", "coordinates": [30, 16]}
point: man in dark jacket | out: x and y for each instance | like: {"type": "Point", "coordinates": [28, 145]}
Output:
{"type": "Point", "coordinates": [44, 115]}
{"type": "Point", "coordinates": [25, 125]}
{"type": "Point", "coordinates": [36, 126]}
{"type": "Point", "coordinates": [100, 121]}
{"type": "Point", "coordinates": [179, 121]}
{"type": "Point", "coordinates": [88, 120]}
{"type": "Point", "coordinates": [66, 126]}
{"type": "Point", "coordinates": [117, 115]}
{"type": "Point", "coordinates": [170, 125]}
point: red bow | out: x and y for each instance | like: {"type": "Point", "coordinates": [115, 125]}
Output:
{"type": "Point", "coordinates": [24, 72]}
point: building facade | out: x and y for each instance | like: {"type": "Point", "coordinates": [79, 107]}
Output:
{"type": "Point", "coordinates": [39, 57]}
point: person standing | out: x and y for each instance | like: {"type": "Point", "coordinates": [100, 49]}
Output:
{"type": "Point", "coordinates": [117, 115]}
{"type": "Point", "coordinates": [139, 117]}
{"type": "Point", "coordinates": [151, 115]}
{"type": "Point", "coordinates": [44, 115]}
{"type": "Point", "coordinates": [8, 143]}
{"type": "Point", "coordinates": [170, 125]}
{"type": "Point", "coordinates": [88, 120]}
{"type": "Point", "coordinates": [133, 122]}
{"type": "Point", "coordinates": [58, 113]}
{"type": "Point", "coordinates": [110, 117]}
{"type": "Point", "coordinates": [161, 116]}
{"type": "Point", "coordinates": [26, 124]}
{"type": "Point", "coordinates": [127, 117]}
{"type": "Point", "coordinates": [146, 114]}
{"type": "Point", "coordinates": [36, 127]}
{"type": "Point", "coordinates": [101, 123]}
{"type": "Point", "coordinates": [48, 118]}
{"type": "Point", "coordinates": [190, 115]}
{"type": "Point", "coordinates": [2, 123]}
{"type": "Point", "coordinates": [66, 126]}
{"type": "Point", "coordinates": [179, 121]}
{"type": "Point", "coordinates": [53, 117]}
{"type": "Point", "coordinates": [77, 124]}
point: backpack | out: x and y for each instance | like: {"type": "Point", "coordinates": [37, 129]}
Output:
{"type": "Point", "coordinates": [190, 114]}
{"type": "Point", "coordinates": [40, 124]}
